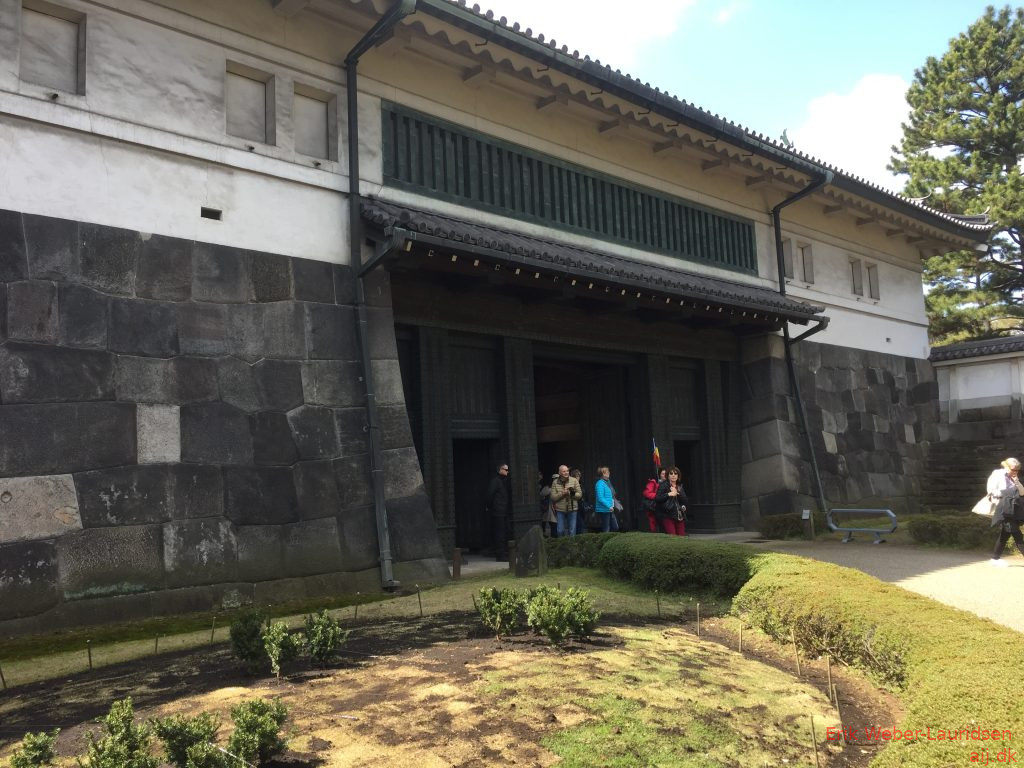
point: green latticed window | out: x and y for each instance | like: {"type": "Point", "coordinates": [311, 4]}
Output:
{"type": "Point", "coordinates": [427, 155]}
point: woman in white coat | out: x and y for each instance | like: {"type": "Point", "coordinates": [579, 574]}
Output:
{"type": "Point", "coordinates": [1006, 490]}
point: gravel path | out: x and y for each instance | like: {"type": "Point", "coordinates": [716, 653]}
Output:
{"type": "Point", "coordinates": [963, 580]}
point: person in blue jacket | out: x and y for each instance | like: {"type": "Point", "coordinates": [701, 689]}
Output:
{"type": "Point", "coordinates": [604, 498]}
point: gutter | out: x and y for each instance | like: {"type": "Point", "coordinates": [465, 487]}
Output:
{"type": "Point", "coordinates": [377, 34]}
{"type": "Point", "coordinates": [817, 183]}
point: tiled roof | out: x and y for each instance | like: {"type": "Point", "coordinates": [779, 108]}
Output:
{"type": "Point", "coordinates": [582, 262]}
{"type": "Point", "coordinates": [967, 349]}
{"type": "Point", "coordinates": [591, 70]}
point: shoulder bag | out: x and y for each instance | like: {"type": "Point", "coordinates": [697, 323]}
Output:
{"type": "Point", "coordinates": [985, 507]}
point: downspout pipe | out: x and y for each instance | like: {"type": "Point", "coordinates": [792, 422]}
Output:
{"type": "Point", "coordinates": [377, 34]}
{"type": "Point", "coordinates": [794, 383]}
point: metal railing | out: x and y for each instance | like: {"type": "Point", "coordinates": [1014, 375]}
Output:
{"type": "Point", "coordinates": [861, 513]}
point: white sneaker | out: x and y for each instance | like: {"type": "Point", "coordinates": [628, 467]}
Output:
{"type": "Point", "coordinates": [998, 563]}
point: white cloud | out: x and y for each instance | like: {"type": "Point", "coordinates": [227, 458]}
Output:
{"type": "Point", "coordinates": [615, 33]}
{"type": "Point", "coordinates": [856, 130]}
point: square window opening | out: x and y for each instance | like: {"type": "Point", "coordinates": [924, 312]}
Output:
{"type": "Point", "coordinates": [249, 104]}
{"type": "Point", "coordinates": [856, 277]}
{"type": "Point", "coordinates": [52, 50]}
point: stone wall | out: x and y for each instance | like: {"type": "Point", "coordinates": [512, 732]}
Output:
{"type": "Point", "coordinates": [184, 425]}
{"type": "Point", "coordinates": [870, 415]}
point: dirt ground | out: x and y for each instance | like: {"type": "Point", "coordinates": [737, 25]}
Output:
{"type": "Point", "coordinates": [437, 692]}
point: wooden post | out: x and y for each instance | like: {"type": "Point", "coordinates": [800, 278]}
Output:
{"type": "Point", "coordinates": [419, 597]}
{"type": "Point", "coordinates": [814, 743]}
{"type": "Point", "coordinates": [741, 635]}
{"type": "Point", "coordinates": [657, 599]}
{"type": "Point", "coordinates": [828, 670]}
{"type": "Point", "coordinates": [698, 619]}
{"type": "Point", "coordinates": [839, 712]}
{"type": "Point", "coordinates": [512, 554]}
{"type": "Point", "coordinates": [356, 606]}
{"type": "Point", "coordinates": [213, 628]}
{"type": "Point", "coordinates": [156, 644]}
{"type": "Point", "coordinates": [796, 651]}
{"type": "Point", "coordinates": [456, 564]}
{"type": "Point", "coordinates": [3, 680]}
{"type": "Point", "coordinates": [88, 650]}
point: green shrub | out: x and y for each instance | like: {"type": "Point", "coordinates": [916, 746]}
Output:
{"type": "Point", "coordinates": [502, 610]}
{"type": "Point", "coordinates": [179, 733]}
{"type": "Point", "coordinates": [324, 637]}
{"type": "Point", "coordinates": [580, 612]}
{"type": "Point", "coordinates": [36, 750]}
{"type": "Point", "coordinates": [247, 638]}
{"type": "Point", "coordinates": [205, 754]}
{"type": "Point", "coordinates": [257, 735]}
{"type": "Point", "coordinates": [558, 615]}
{"type": "Point", "coordinates": [959, 531]}
{"type": "Point", "coordinates": [280, 645]}
{"type": "Point", "coordinates": [579, 550]}
{"type": "Point", "coordinates": [124, 745]}
{"type": "Point", "coordinates": [672, 564]}
{"type": "Point", "coordinates": [789, 525]}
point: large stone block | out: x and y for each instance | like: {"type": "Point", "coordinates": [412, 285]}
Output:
{"type": "Point", "coordinates": [13, 251]}
{"type": "Point", "coordinates": [202, 329]}
{"type": "Point", "coordinates": [401, 473]}
{"type": "Point", "coordinates": [767, 475]}
{"type": "Point", "coordinates": [358, 538]}
{"type": "Point", "coordinates": [278, 384]}
{"type": "Point", "coordinates": [220, 274]}
{"type": "Point", "coordinates": [124, 496]}
{"type": "Point", "coordinates": [37, 508]}
{"type": "Point", "coordinates": [312, 546]}
{"type": "Point", "coordinates": [109, 258]}
{"type": "Point", "coordinates": [28, 578]}
{"type": "Point", "coordinates": [354, 430]}
{"type": "Point", "coordinates": [260, 496]}
{"type": "Point", "coordinates": [345, 284]}
{"type": "Point", "coordinates": [331, 332]}
{"type": "Point", "coordinates": [179, 380]}
{"type": "Point", "coordinates": [165, 269]}
{"type": "Point", "coordinates": [273, 330]}
{"type": "Point", "coordinates": [394, 426]}
{"type": "Point", "coordinates": [237, 384]}
{"type": "Point", "coordinates": [313, 280]}
{"type": "Point", "coordinates": [353, 476]}
{"type": "Point", "coordinates": [380, 323]}
{"type": "Point", "coordinates": [314, 432]}
{"type": "Point", "coordinates": [317, 489]}
{"type": "Point", "coordinates": [199, 552]}
{"type": "Point", "coordinates": [412, 528]}
{"type": "Point", "coordinates": [260, 552]}
{"type": "Point", "coordinates": [387, 382]}
{"type": "Point", "coordinates": [34, 374]}
{"type": "Point", "coordinates": [272, 442]}
{"type": "Point", "coordinates": [52, 246]}
{"type": "Point", "coordinates": [271, 277]}
{"type": "Point", "coordinates": [143, 328]}
{"type": "Point", "coordinates": [32, 312]}
{"type": "Point", "coordinates": [764, 377]}
{"type": "Point", "coordinates": [215, 433]}
{"type": "Point", "coordinates": [117, 560]}
{"type": "Point", "coordinates": [159, 434]}
{"type": "Point", "coordinates": [196, 491]}
{"type": "Point", "coordinates": [84, 317]}
{"type": "Point", "coordinates": [332, 383]}
{"type": "Point", "coordinates": [65, 437]}
{"type": "Point", "coordinates": [376, 288]}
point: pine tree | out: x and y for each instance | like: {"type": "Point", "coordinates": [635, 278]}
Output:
{"type": "Point", "coordinates": [962, 149]}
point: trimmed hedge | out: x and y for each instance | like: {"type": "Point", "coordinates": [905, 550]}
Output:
{"type": "Point", "coordinates": [579, 550]}
{"type": "Point", "coordinates": [952, 670]}
{"type": "Point", "coordinates": [959, 531]}
{"type": "Point", "coordinates": [789, 525]}
{"type": "Point", "coordinates": [672, 564]}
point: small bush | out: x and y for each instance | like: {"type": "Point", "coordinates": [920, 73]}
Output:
{"type": "Point", "coordinates": [180, 733]}
{"type": "Point", "coordinates": [579, 550]}
{"type": "Point", "coordinates": [205, 754]}
{"type": "Point", "coordinates": [324, 637]}
{"type": "Point", "coordinates": [257, 735]}
{"type": "Point", "coordinates": [36, 750]}
{"type": "Point", "coordinates": [280, 646]}
{"type": "Point", "coordinates": [502, 610]}
{"type": "Point", "coordinates": [958, 531]}
{"type": "Point", "coordinates": [124, 745]}
{"type": "Point", "coordinates": [558, 615]}
{"type": "Point", "coordinates": [247, 639]}
{"type": "Point", "coordinates": [580, 612]}
{"type": "Point", "coordinates": [789, 526]}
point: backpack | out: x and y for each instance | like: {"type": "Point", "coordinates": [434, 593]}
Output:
{"type": "Point", "coordinates": [650, 491]}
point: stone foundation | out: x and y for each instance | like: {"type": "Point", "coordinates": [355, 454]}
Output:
{"type": "Point", "coordinates": [183, 421]}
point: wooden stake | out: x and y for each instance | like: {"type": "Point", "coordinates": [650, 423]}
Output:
{"type": "Point", "coordinates": [814, 743]}
{"type": "Point", "coordinates": [88, 650]}
{"type": "Point", "coordinates": [698, 619]}
{"type": "Point", "coordinates": [839, 712]}
{"type": "Point", "coordinates": [3, 680]}
{"type": "Point", "coordinates": [657, 599]}
{"type": "Point", "coordinates": [420, 598]}
{"type": "Point", "coordinates": [828, 670]}
{"type": "Point", "coordinates": [456, 564]}
{"type": "Point", "coordinates": [475, 608]}
{"type": "Point", "coordinates": [796, 651]}
{"type": "Point", "coordinates": [156, 644]}
{"type": "Point", "coordinates": [213, 628]}
{"type": "Point", "coordinates": [741, 635]}
{"type": "Point", "coordinates": [354, 618]}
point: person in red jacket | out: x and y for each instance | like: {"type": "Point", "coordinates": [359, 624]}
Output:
{"type": "Point", "coordinates": [670, 504]}
{"type": "Point", "coordinates": [650, 491]}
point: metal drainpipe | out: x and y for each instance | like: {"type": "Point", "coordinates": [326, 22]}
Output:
{"type": "Point", "coordinates": [377, 35]}
{"type": "Point", "coordinates": [794, 383]}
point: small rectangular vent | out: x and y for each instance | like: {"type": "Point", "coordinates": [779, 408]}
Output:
{"type": "Point", "coordinates": [210, 213]}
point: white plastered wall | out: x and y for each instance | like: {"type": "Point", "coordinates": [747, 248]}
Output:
{"type": "Point", "coordinates": [979, 383]}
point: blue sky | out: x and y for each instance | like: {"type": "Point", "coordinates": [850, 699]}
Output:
{"type": "Point", "coordinates": [832, 74]}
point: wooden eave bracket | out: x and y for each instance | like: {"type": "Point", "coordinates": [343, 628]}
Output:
{"type": "Point", "coordinates": [288, 8]}
{"type": "Point", "coordinates": [717, 165]}
{"type": "Point", "coordinates": [618, 124]}
{"type": "Point", "coordinates": [479, 75]}
{"type": "Point", "coordinates": [763, 179]}
{"type": "Point", "coordinates": [832, 210]}
{"type": "Point", "coordinates": [547, 101]}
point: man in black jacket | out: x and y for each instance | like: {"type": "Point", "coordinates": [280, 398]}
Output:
{"type": "Point", "coordinates": [499, 508]}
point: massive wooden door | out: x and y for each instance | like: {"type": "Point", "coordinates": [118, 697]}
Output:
{"type": "Point", "coordinates": [604, 409]}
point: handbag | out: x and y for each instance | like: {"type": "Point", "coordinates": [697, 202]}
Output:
{"type": "Point", "coordinates": [680, 512]}
{"type": "Point", "coordinates": [985, 507]}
